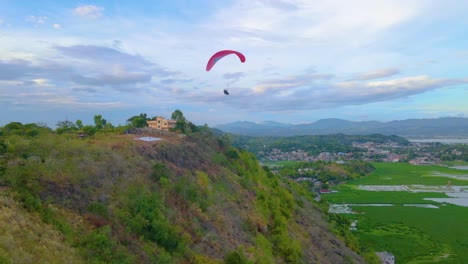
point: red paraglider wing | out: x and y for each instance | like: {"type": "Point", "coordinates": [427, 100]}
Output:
{"type": "Point", "coordinates": [220, 54]}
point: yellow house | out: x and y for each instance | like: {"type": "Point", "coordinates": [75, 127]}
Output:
{"type": "Point", "coordinates": [159, 122]}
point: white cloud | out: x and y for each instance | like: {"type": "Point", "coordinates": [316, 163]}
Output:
{"type": "Point", "coordinates": [306, 92]}
{"type": "Point", "coordinates": [56, 26]}
{"type": "Point", "coordinates": [37, 20]}
{"type": "Point", "coordinates": [282, 22]}
{"type": "Point", "coordinates": [414, 82]}
{"type": "Point", "coordinates": [376, 74]}
{"type": "Point", "coordinates": [53, 100]}
{"type": "Point", "coordinates": [377, 91]}
{"type": "Point", "coordinates": [290, 82]}
{"type": "Point", "coordinates": [357, 17]}
{"type": "Point", "coordinates": [40, 82]}
{"type": "Point", "coordinates": [88, 11]}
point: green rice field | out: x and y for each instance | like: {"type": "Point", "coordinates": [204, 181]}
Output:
{"type": "Point", "coordinates": [413, 234]}
{"type": "Point", "coordinates": [404, 173]}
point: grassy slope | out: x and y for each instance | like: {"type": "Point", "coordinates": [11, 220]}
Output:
{"type": "Point", "coordinates": [414, 235]}
{"type": "Point", "coordinates": [23, 239]}
{"type": "Point", "coordinates": [115, 200]}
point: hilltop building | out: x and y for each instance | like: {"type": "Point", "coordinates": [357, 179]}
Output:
{"type": "Point", "coordinates": [160, 123]}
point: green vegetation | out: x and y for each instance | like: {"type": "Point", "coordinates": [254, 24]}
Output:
{"type": "Point", "coordinates": [106, 198]}
{"type": "Point", "coordinates": [24, 239]}
{"type": "Point", "coordinates": [182, 124]}
{"type": "Point", "coordinates": [138, 121]}
{"type": "Point", "coordinates": [326, 171]}
{"type": "Point", "coordinates": [456, 163]}
{"type": "Point", "coordinates": [282, 163]}
{"type": "Point", "coordinates": [456, 153]}
{"type": "Point", "coordinates": [412, 234]}
{"type": "Point", "coordinates": [350, 194]}
{"type": "Point", "coordinates": [404, 173]}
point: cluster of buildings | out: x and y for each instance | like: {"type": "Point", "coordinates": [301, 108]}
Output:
{"type": "Point", "coordinates": [277, 154]}
{"type": "Point", "coordinates": [385, 152]}
{"type": "Point", "coordinates": [375, 146]}
{"type": "Point", "coordinates": [369, 151]}
{"type": "Point", "coordinates": [424, 161]}
{"type": "Point", "coordinates": [300, 155]}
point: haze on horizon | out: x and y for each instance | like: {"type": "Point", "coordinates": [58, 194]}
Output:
{"type": "Point", "coordinates": [306, 60]}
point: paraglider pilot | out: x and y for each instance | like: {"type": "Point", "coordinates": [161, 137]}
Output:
{"type": "Point", "coordinates": [219, 55]}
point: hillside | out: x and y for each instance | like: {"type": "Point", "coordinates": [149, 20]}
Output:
{"type": "Point", "coordinates": [440, 127]}
{"type": "Point", "coordinates": [113, 199]}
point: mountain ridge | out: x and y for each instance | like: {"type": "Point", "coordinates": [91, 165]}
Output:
{"type": "Point", "coordinates": [436, 127]}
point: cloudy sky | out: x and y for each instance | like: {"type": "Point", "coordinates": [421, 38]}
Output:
{"type": "Point", "coordinates": [305, 60]}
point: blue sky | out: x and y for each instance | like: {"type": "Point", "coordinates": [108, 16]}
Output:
{"type": "Point", "coordinates": [305, 60]}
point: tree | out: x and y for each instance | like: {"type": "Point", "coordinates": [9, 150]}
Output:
{"type": "Point", "coordinates": [3, 162]}
{"type": "Point", "coordinates": [42, 124]}
{"type": "Point", "coordinates": [79, 124]}
{"type": "Point", "coordinates": [193, 128]}
{"type": "Point", "coordinates": [99, 122]}
{"type": "Point", "coordinates": [65, 126]}
{"type": "Point", "coordinates": [108, 125]}
{"type": "Point", "coordinates": [3, 147]}
{"type": "Point", "coordinates": [89, 130]}
{"type": "Point", "coordinates": [224, 141]}
{"type": "Point", "coordinates": [236, 257]}
{"type": "Point", "coordinates": [138, 121]}
{"type": "Point", "coordinates": [325, 186]}
{"type": "Point", "coordinates": [182, 124]}
{"type": "Point", "coordinates": [14, 126]}
{"type": "Point", "coordinates": [178, 115]}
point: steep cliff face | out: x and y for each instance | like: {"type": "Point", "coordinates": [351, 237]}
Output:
{"type": "Point", "coordinates": [193, 200]}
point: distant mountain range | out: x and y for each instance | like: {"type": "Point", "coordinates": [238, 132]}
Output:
{"type": "Point", "coordinates": [417, 128]}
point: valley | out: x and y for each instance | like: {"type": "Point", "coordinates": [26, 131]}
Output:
{"type": "Point", "coordinates": [135, 195]}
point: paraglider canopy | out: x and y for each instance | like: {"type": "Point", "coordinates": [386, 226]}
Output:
{"type": "Point", "coordinates": [220, 54]}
